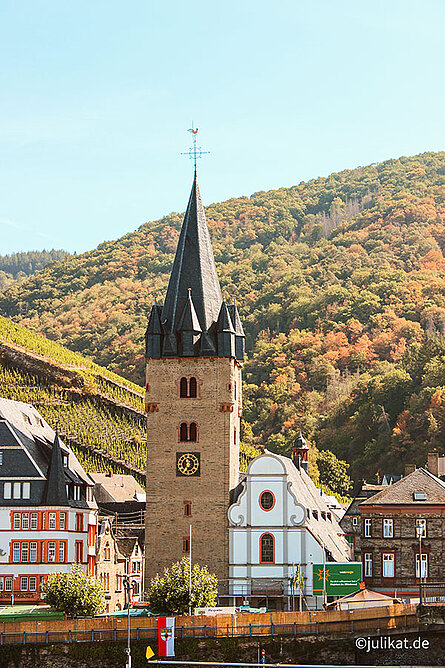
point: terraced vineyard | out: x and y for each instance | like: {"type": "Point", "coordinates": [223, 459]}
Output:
{"type": "Point", "coordinates": [98, 413]}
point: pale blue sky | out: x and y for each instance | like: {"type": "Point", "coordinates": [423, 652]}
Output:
{"type": "Point", "coordinates": [96, 98]}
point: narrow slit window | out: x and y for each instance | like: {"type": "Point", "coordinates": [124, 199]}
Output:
{"type": "Point", "coordinates": [183, 387]}
{"type": "Point", "coordinates": [193, 432]}
{"type": "Point", "coordinates": [183, 432]}
{"type": "Point", "coordinates": [193, 388]}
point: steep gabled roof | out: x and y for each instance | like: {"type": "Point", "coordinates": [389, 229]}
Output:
{"type": "Point", "coordinates": [55, 484]}
{"type": "Point", "coordinates": [193, 267]}
{"type": "Point", "coordinates": [402, 491]}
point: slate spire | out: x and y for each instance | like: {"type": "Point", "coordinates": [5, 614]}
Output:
{"type": "Point", "coordinates": [193, 267]}
{"type": "Point", "coordinates": [194, 321]}
{"type": "Point", "coordinates": [55, 483]}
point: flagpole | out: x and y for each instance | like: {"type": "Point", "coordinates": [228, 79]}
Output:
{"type": "Point", "coordinates": [190, 571]}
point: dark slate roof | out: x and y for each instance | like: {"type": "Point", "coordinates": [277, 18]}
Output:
{"type": "Point", "coordinates": [236, 320]}
{"type": "Point", "coordinates": [27, 442]}
{"type": "Point", "coordinates": [55, 482]}
{"type": "Point", "coordinates": [188, 321]}
{"type": "Point", "coordinates": [402, 491]}
{"type": "Point", "coordinates": [193, 267]}
{"type": "Point", "coordinates": [224, 322]}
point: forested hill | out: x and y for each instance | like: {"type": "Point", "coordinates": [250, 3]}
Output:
{"type": "Point", "coordinates": [17, 266]}
{"type": "Point", "coordinates": [341, 286]}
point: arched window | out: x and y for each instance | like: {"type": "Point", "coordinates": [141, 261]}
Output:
{"type": "Point", "coordinates": [193, 432]}
{"type": "Point", "coordinates": [183, 431]}
{"type": "Point", "coordinates": [267, 500]}
{"type": "Point", "coordinates": [193, 393]}
{"type": "Point", "coordinates": [183, 387]}
{"type": "Point", "coordinates": [267, 549]}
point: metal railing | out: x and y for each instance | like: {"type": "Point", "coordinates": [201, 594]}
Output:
{"type": "Point", "coordinates": [347, 626]}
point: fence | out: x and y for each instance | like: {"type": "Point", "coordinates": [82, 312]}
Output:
{"type": "Point", "coordinates": [344, 622]}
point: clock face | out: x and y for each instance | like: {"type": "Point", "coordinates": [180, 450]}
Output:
{"type": "Point", "coordinates": [188, 463]}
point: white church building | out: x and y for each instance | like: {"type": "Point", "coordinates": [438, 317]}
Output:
{"type": "Point", "coordinates": [280, 524]}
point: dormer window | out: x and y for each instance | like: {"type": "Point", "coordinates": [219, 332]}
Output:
{"type": "Point", "coordinates": [419, 496]}
{"type": "Point", "coordinates": [65, 461]}
{"type": "Point", "coordinates": [315, 514]}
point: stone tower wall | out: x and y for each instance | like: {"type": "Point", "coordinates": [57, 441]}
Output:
{"type": "Point", "coordinates": [217, 411]}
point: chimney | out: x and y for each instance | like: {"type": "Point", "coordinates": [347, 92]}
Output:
{"type": "Point", "coordinates": [433, 463]}
{"type": "Point", "coordinates": [409, 468]}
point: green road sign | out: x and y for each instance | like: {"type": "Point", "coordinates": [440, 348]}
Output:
{"type": "Point", "coordinates": [338, 578]}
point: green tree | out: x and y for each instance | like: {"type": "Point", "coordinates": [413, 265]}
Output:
{"type": "Point", "coordinates": [169, 592]}
{"type": "Point", "coordinates": [333, 473]}
{"type": "Point", "coordinates": [74, 593]}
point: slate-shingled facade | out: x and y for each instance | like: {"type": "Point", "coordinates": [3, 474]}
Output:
{"type": "Point", "coordinates": [47, 510]}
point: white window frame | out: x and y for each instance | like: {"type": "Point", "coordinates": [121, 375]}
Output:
{"type": "Point", "coordinates": [62, 518]}
{"type": "Point", "coordinates": [25, 521]}
{"type": "Point", "coordinates": [33, 521]}
{"type": "Point", "coordinates": [367, 528]}
{"type": "Point", "coordinates": [51, 552]}
{"type": "Point", "coordinates": [367, 564]}
{"type": "Point", "coordinates": [2, 583]}
{"type": "Point", "coordinates": [355, 521]}
{"type": "Point", "coordinates": [424, 560]}
{"type": "Point", "coordinates": [33, 552]}
{"type": "Point", "coordinates": [25, 553]}
{"type": "Point", "coordinates": [17, 524]}
{"type": "Point", "coordinates": [1, 457]}
{"type": "Point", "coordinates": [7, 488]}
{"type": "Point", "coordinates": [388, 528]}
{"type": "Point", "coordinates": [76, 493]}
{"type": "Point", "coordinates": [16, 553]}
{"type": "Point", "coordinates": [26, 493]}
{"type": "Point", "coordinates": [389, 571]}
{"type": "Point", "coordinates": [23, 583]}
{"type": "Point", "coordinates": [8, 583]}
{"type": "Point", "coordinates": [16, 490]}
{"type": "Point", "coordinates": [421, 526]}
{"type": "Point", "coordinates": [51, 521]}
{"type": "Point", "coordinates": [61, 552]}
{"type": "Point", "coordinates": [32, 583]}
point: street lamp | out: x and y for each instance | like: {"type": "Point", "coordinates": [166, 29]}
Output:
{"type": "Point", "coordinates": [419, 535]}
{"type": "Point", "coordinates": [129, 586]}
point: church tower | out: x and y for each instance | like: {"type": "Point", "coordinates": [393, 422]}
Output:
{"type": "Point", "coordinates": [194, 355]}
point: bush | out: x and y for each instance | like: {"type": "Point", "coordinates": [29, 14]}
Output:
{"type": "Point", "coordinates": [74, 593]}
{"type": "Point", "coordinates": [169, 592]}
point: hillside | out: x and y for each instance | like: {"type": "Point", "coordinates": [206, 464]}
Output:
{"type": "Point", "coordinates": [98, 413]}
{"type": "Point", "coordinates": [341, 285]}
{"type": "Point", "coordinates": [17, 266]}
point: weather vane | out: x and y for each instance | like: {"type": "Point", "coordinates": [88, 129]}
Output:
{"type": "Point", "coordinates": [194, 151]}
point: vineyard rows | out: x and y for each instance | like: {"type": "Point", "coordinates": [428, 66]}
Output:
{"type": "Point", "coordinates": [103, 381]}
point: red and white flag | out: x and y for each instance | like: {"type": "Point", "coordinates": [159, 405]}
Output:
{"type": "Point", "coordinates": [166, 636]}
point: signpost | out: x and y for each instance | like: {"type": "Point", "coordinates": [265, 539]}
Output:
{"type": "Point", "coordinates": [336, 579]}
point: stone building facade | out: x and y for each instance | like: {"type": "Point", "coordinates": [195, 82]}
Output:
{"type": "Point", "coordinates": [394, 557]}
{"type": "Point", "coordinates": [194, 355]}
{"type": "Point", "coordinates": [110, 567]}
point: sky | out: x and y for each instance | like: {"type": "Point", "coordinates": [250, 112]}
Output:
{"type": "Point", "coordinates": [96, 97]}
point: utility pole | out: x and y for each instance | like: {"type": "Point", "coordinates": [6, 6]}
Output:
{"type": "Point", "coordinates": [190, 571]}
{"type": "Point", "coordinates": [419, 533]}
{"type": "Point", "coordinates": [129, 585]}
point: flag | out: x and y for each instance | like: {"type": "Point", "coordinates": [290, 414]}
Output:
{"type": "Point", "coordinates": [166, 636]}
{"type": "Point", "coordinates": [149, 653]}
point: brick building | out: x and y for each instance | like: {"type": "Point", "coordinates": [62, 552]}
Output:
{"type": "Point", "coordinates": [194, 353]}
{"type": "Point", "coordinates": [393, 556]}
{"type": "Point", "coordinates": [351, 521]}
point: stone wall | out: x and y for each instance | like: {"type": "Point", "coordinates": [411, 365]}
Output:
{"type": "Point", "coordinates": [216, 410]}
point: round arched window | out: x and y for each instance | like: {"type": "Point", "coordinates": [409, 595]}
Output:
{"type": "Point", "coordinates": [267, 500]}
